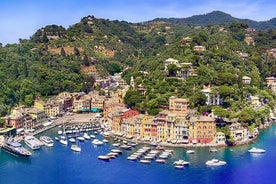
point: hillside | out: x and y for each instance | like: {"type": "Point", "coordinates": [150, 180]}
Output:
{"type": "Point", "coordinates": [56, 59]}
{"type": "Point", "coordinates": [218, 18]}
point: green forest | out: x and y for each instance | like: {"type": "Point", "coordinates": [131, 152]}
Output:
{"type": "Point", "coordinates": [50, 62]}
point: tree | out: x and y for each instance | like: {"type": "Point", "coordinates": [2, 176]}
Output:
{"type": "Point", "coordinates": [44, 38]}
{"type": "Point", "coordinates": [172, 68]}
{"type": "Point", "coordinates": [62, 52]}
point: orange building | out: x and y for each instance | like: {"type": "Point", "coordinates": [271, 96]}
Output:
{"type": "Point", "coordinates": [178, 105]}
{"type": "Point", "coordinates": [202, 129]}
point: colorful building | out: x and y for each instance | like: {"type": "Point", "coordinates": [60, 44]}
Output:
{"type": "Point", "coordinates": [202, 129]}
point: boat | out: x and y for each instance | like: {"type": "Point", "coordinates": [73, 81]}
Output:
{"type": "Point", "coordinates": [132, 157]}
{"type": "Point", "coordinates": [256, 150]}
{"type": "Point", "coordinates": [63, 140]}
{"type": "Point", "coordinates": [57, 138]}
{"type": "Point", "coordinates": [190, 151]}
{"type": "Point", "coordinates": [116, 151]}
{"type": "Point", "coordinates": [48, 141]}
{"type": "Point", "coordinates": [86, 136]}
{"type": "Point", "coordinates": [179, 166]}
{"type": "Point", "coordinates": [104, 157]}
{"type": "Point", "coordinates": [75, 148]}
{"type": "Point", "coordinates": [215, 162]}
{"type": "Point", "coordinates": [116, 144]}
{"type": "Point", "coordinates": [97, 142]}
{"type": "Point", "coordinates": [212, 150]}
{"type": "Point", "coordinates": [144, 161]}
{"type": "Point", "coordinates": [160, 160]}
{"type": "Point", "coordinates": [105, 141]}
{"type": "Point", "coordinates": [181, 162]}
{"type": "Point", "coordinates": [125, 146]}
{"type": "Point", "coordinates": [15, 148]}
{"type": "Point", "coordinates": [92, 136]}
{"type": "Point", "coordinates": [80, 138]}
{"type": "Point", "coordinates": [59, 132]}
{"type": "Point", "coordinates": [33, 142]}
{"type": "Point", "coordinates": [72, 140]}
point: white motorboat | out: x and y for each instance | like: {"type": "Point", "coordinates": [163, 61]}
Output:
{"type": "Point", "coordinates": [160, 160]}
{"type": "Point", "coordinates": [215, 162]}
{"type": "Point", "coordinates": [179, 166]}
{"type": "Point", "coordinates": [59, 132]}
{"type": "Point", "coordinates": [15, 148]}
{"type": "Point", "coordinates": [97, 142]}
{"type": "Point", "coordinates": [125, 146]}
{"type": "Point", "coordinates": [104, 157]}
{"type": "Point", "coordinates": [48, 141]}
{"type": "Point", "coordinates": [213, 150]}
{"type": "Point", "coordinates": [33, 142]}
{"type": "Point", "coordinates": [57, 138]}
{"type": "Point", "coordinates": [190, 151]}
{"type": "Point", "coordinates": [181, 162]}
{"type": "Point", "coordinates": [116, 151]}
{"type": "Point", "coordinates": [80, 138]}
{"type": "Point", "coordinates": [132, 157]}
{"type": "Point", "coordinates": [63, 140]}
{"type": "Point", "coordinates": [144, 161]}
{"type": "Point", "coordinates": [72, 140]}
{"type": "Point", "coordinates": [105, 141]}
{"type": "Point", "coordinates": [86, 136]}
{"type": "Point", "coordinates": [92, 136]}
{"type": "Point", "coordinates": [116, 144]}
{"type": "Point", "coordinates": [75, 148]}
{"type": "Point", "coordinates": [256, 150]}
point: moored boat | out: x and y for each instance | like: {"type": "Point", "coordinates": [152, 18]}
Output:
{"type": "Point", "coordinates": [190, 151]}
{"type": "Point", "coordinates": [212, 150]}
{"type": "Point", "coordinates": [75, 148]}
{"type": "Point", "coordinates": [33, 142]}
{"type": "Point", "coordinates": [97, 142]}
{"type": "Point", "coordinates": [104, 157]}
{"type": "Point", "coordinates": [144, 161]}
{"type": "Point", "coordinates": [215, 162]}
{"type": "Point", "coordinates": [48, 141]}
{"type": "Point", "coordinates": [160, 160]}
{"type": "Point", "coordinates": [256, 150]}
{"type": "Point", "coordinates": [15, 148]}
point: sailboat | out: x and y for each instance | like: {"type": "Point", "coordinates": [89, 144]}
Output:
{"type": "Point", "coordinates": [63, 139]}
{"type": "Point", "coordinates": [76, 147]}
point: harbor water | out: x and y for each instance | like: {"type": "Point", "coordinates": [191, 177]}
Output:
{"type": "Point", "coordinates": [61, 165]}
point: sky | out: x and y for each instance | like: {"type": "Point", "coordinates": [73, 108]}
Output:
{"type": "Point", "coordinates": [21, 18]}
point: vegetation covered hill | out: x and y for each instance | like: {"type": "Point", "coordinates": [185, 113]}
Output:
{"type": "Point", "coordinates": [56, 59]}
{"type": "Point", "coordinates": [219, 18]}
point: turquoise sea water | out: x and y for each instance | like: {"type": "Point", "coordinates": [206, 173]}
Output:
{"type": "Point", "coordinates": [61, 165]}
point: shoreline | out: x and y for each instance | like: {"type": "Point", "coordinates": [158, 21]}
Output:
{"type": "Point", "coordinates": [82, 119]}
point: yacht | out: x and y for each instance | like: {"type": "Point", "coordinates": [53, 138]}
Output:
{"type": "Point", "coordinates": [144, 161]}
{"type": "Point", "coordinates": [33, 142]}
{"type": "Point", "coordinates": [63, 141]}
{"type": "Point", "coordinates": [181, 162]}
{"type": "Point", "coordinates": [80, 138]}
{"type": "Point", "coordinates": [75, 148]}
{"type": "Point", "coordinates": [15, 148]}
{"type": "Point", "coordinates": [104, 157]}
{"type": "Point", "coordinates": [190, 151]}
{"type": "Point", "coordinates": [86, 136]}
{"type": "Point", "coordinates": [72, 140]}
{"type": "Point", "coordinates": [215, 162]}
{"type": "Point", "coordinates": [48, 141]}
{"type": "Point", "coordinates": [256, 150]}
{"type": "Point", "coordinates": [213, 150]}
{"type": "Point", "coordinates": [160, 160]}
{"type": "Point", "coordinates": [97, 142]}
